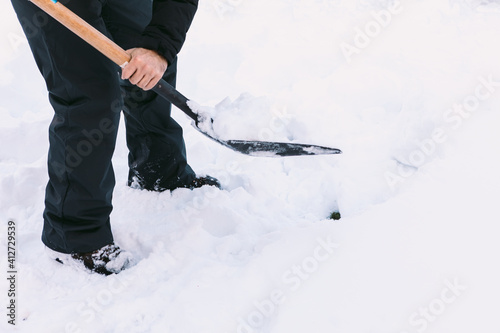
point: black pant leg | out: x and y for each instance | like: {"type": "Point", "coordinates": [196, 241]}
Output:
{"type": "Point", "coordinates": [85, 95]}
{"type": "Point", "coordinates": [157, 158]}
{"type": "Point", "coordinates": [157, 153]}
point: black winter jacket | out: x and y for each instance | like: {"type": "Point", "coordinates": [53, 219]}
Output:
{"type": "Point", "coordinates": [167, 30]}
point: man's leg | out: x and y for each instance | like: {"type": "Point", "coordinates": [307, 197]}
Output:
{"type": "Point", "coordinates": [157, 158]}
{"type": "Point", "coordinates": [85, 94]}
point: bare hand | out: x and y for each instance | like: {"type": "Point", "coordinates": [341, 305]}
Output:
{"type": "Point", "coordinates": [145, 68]}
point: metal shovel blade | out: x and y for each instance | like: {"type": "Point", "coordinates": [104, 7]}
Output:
{"type": "Point", "coordinates": [276, 149]}
{"type": "Point", "coordinates": [271, 149]}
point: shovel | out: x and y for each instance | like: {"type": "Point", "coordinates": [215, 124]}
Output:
{"type": "Point", "coordinates": [116, 54]}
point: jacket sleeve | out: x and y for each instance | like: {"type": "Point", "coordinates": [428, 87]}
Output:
{"type": "Point", "coordinates": [167, 30]}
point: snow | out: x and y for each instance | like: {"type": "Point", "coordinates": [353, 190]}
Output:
{"type": "Point", "coordinates": [413, 102]}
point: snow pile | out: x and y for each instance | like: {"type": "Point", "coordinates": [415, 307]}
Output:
{"type": "Point", "coordinates": [409, 90]}
{"type": "Point", "coordinates": [247, 118]}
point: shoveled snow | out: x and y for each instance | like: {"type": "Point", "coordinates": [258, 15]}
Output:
{"type": "Point", "coordinates": [418, 185]}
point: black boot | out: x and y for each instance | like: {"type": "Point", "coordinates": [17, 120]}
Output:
{"type": "Point", "coordinates": [202, 181]}
{"type": "Point", "coordinates": [109, 259]}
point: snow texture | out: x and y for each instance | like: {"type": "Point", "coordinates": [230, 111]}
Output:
{"type": "Point", "coordinates": [409, 90]}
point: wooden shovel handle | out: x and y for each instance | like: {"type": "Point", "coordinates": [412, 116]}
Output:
{"type": "Point", "coordinates": [107, 47]}
{"type": "Point", "coordinates": [84, 30]}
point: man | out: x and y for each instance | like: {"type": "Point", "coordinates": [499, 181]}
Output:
{"type": "Point", "coordinates": [87, 96]}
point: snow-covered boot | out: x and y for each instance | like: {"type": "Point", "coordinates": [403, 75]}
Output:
{"type": "Point", "coordinates": [202, 181]}
{"type": "Point", "coordinates": [109, 259]}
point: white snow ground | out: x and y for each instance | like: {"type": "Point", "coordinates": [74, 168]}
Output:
{"type": "Point", "coordinates": [415, 107]}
